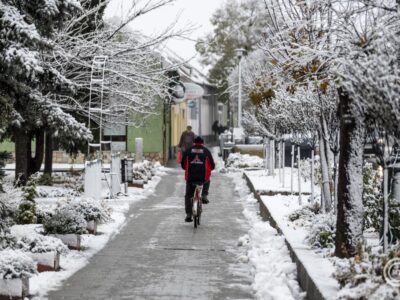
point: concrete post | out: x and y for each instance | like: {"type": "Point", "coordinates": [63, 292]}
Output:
{"type": "Point", "coordinates": [139, 150]}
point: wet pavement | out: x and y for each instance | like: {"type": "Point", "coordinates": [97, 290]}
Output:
{"type": "Point", "coordinates": [159, 256]}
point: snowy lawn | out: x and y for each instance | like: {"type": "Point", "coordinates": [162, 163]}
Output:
{"type": "Point", "coordinates": [264, 183]}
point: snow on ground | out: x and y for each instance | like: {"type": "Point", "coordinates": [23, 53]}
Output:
{"type": "Point", "coordinates": [73, 261]}
{"type": "Point", "coordinates": [318, 267]}
{"type": "Point", "coordinates": [273, 270]}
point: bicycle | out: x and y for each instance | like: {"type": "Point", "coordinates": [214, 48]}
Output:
{"type": "Point", "coordinates": [197, 205]}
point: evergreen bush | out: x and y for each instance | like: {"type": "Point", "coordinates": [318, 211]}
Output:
{"type": "Point", "coordinates": [16, 264]}
{"type": "Point", "coordinates": [65, 220]}
{"type": "Point", "coordinates": [27, 208]}
{"type": "Point", "coordinates": [91, 209]}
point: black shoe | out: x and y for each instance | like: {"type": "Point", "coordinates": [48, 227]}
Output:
{"type": "Point", "coordinates": [204, 199]}
{"type": "Point", "coordinates": [188, 219]}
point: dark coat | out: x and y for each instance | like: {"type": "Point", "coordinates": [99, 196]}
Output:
{"type": "Point", "coordinates": [198, 163]}
{"type": "Point", "coordinates": [186, 140]}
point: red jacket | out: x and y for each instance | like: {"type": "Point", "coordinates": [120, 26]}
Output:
{"type": "Point", "coordinates": [198, 163]}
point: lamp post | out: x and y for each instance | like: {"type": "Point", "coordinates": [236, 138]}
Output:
{"type": "Point", "coordinates": [239, 54]}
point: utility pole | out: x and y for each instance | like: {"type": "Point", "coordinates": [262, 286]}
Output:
{"type": "Point", "coordinates": [239, 53]}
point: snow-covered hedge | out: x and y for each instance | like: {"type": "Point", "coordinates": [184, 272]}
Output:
{"type": "Point", "coordinates": [143, 170]}
{"type": "Point", "coordinates": [237, 160]}
{"type": "Point", "coordinates": [305, 170]}
{"type": "Point", "coordinates": [321, 227]}
{"type": "Point", "coordinates": [41, 244]}
{"type": "Point", "coordinates": [362, 277]}
{"type": "Point", "coordinates": [56, 192]}
{"type": "Point", "coordinates": [42, 213]}
{"type": "Point", "coordinates": [6, 213]}
{"type": "Point", "coordinates": [91, 209]}
{"type": "Point", "coordinates": [304, 216]}
{"type": "Point", "coordinates": [65, 220]}
{"type": "Point", "coordinates": [16, 264]}
{"type": "Point", "coordinates": [322, 231]}
{"type": "Point", "coordinates": [7, 240]}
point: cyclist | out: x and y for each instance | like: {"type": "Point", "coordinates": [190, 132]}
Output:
{"type": "Point", "coordinates": [198, 163]}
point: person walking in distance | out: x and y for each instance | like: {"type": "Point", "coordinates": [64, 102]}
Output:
{"type": "Point", "coordinates": [198, 163]}
{"type": "Point", "coordinates": [187, 139]}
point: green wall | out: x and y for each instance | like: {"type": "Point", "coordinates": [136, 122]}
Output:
{"type": "Point", "coordinates": [9, 146]}
{"type": "Point", "coordinates": [151, 133]}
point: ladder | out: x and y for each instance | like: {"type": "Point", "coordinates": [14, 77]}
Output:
{"type": "Point", "coordinates": [96, 106]}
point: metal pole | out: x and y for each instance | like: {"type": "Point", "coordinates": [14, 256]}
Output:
{"type": "Point", "coordinates": [385, 209]}
{"type": "Point", "coordinates": [240, 95]}
{"type": "Point", "coordinates": [312, 176]}
{"type": "Point", "coordinates": [279, 161]}
{"type": "Point", "coordinates": [298, 173]}
{"type": "Point", "coordinates": [126, 175]}
{"type": "Point", "coordinates": [265, 145]}
{"type": "Point", "coordinates": [283, 162]}
{"type": "Point", "coordinates": [291, 170]}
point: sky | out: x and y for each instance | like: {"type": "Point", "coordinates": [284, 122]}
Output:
{"type": "Point", "coordinates": [190, 13]}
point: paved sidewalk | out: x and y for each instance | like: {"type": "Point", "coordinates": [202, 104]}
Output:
{"type": "Point", "coordinates": [159, 256]}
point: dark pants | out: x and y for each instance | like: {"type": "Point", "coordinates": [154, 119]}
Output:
{"type": "Point", "coordinates": [190, 188]}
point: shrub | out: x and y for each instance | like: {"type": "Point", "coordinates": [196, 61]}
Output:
{"type": "Point", "coordinates": [361, 277]}
{"type": "Point", "coordinates": [237, 160]}
{"type": "Point", "coordinates": [6, 214]}
{"type": "Point", "coordinates": [42, 213]}
{"type": "Point", "coordinates": [16, 264]}
{"type": "Point", "coordinates": [322, 231]}
{"type": "Point", "coordinates": [27, 208]}
{"type": "Point", "coordinates": [372, 198]}
{"type": "Point", "coordinates": [65, 220]}
{"type": "Point", "coordinates": [305, 170]}
{"type": "Point", "coordinates": [91, 209]}
{"type": "Point", "coordinates": [41, 244]}
{"type": "Point", "coordinates": [307, 212]}
{"type": "Point", "coordinates": [7, 240]}
{"type": "Point", "coordinates": [46, 179]}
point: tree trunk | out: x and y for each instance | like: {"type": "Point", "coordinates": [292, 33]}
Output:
{"type": "Point", "coordinates": [350, 183]}
{"type": "Point", "coordinates": [326, 200]}
{"type": "Point", "coordinates": [328, 151]}
{"type": "Point", "coordinates": [271, 157]}
{"type": "Point", "coordinates": [48, 158]}
{"type": "Point", "coordinates": [335, 180]}
{"type": "Point", "coordinates": [22, 139]}
{"type": "Point", "coordinates": [36, 162]}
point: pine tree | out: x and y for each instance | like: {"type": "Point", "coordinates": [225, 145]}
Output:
{"type": "Point", "coordinates": [28, 83]}
{"type": "Point", "coordinates": [27, 208]}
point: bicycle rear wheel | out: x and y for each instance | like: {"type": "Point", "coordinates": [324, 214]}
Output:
{"type": "Point", "coordinates": [199, 208]}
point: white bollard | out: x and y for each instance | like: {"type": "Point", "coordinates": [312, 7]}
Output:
{"type": "Point", "coordinates": [93, 179]}
{"type": "Point", "coordinates": [115, 175]}
{"type": "Point", "coordinates": [139, 150]}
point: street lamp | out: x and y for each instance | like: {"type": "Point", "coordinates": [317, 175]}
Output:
{"type": "Point", "coordinates": [239, 54]}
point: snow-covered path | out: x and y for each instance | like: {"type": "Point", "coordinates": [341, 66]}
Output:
{"type": "Point", "coordinates": [158, 256]}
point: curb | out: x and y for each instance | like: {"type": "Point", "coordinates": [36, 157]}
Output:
{"type": "Point", "coordinates": [306, 282]}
